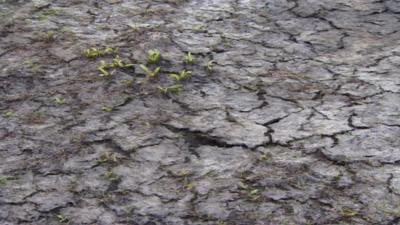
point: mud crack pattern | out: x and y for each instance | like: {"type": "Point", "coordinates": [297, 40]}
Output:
{"type": "Point", "coordinates": [298, 123]}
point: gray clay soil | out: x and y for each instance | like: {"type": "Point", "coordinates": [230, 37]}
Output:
{"type": "Point", "coordinates": [296, 123]}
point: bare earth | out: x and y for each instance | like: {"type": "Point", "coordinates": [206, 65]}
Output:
{"type": "Point", "coordinates": [296, 123]}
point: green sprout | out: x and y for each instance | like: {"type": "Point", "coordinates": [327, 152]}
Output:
{"type": "Point", "coordinates": [7, 114]}
{"type": "Point", "coordinates": [103, 66]}
{"type": "Point", "coordinates": [210, 65]}
{"type": "Point", "coordinates": [149, 72]}
{"type": "Point", "coordinates": [107, 109]}
{"type": "Point", "coordinates": [59, 101]}
{"type": "Point", "coordinates": [117, 62]}
{"type": "Point", "coordinates": [347, 212]}
{"type": "Point", "coordinates": [48, 36]}
{"type": "Point", "coordinates": [153, 56]}
{"type": "Point", "coordinates": [188, 58]}
{"type": "Point", "coordinates": [108, 157]}
{"type": "Point", "coordinates": [3, 181]}
{"type": "Point", "coordinates": [109, 175]}
{"type": "Point", "coordinates": [182, 75]}
{"type": "Point", "coordinates": [174, 89]}
{"type": "Point", "coordinates": [252, 194]}
{"type": "Point", "coordinates": [62, 218]}
{"type": "Point", "coordinates": [91, 53]}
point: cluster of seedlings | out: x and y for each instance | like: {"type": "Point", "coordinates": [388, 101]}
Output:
{"type": "Point", "coordinates": [151, 68]}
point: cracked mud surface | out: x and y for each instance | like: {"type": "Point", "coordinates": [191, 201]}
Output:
{"type": "Point", "coordinates": [298, 123]}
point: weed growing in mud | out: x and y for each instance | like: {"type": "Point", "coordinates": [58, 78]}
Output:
{"type": "Point", "coordinates": [3, 181]}
{"type": "Point", "coordinates": [251, 193]}
{"type": "Point", "coordinates": [210, 66]}
{"type": "Point", "coordinates": [181, 76]}
{"type": "Point", "coordinates": [109, 175]}
{"type": "Point", "coordinates": [149, 72]}
{"type": "Point", "coordinates": [103, 68]}
{"type": "Point", "coordinates": [7, 114]}
{"type": "Point", "coordinates": [32, 65]}
{"type": "Point", "coordinates": [184, 178]}
{"type": "Point", "coordinates": [108, 157]}
{"type": "Point", "coordinates": [153, 56]}
{"type": "Point", "coordinates": [347, 212]}
{"type": "Point", "coordinates": [62, 219]}
{"type": "Point", "coordinates": [188, 58]}
{"type": "Point", "coordinates": [107, 109]}
{"type": "Point", "coordinates": [59, 101]}
{"type": "Point", "coordinates": [48, 36]}
{"type": "Point", "coordinates": [174, 89]}
{"type": "Point", "coordinates": [93, 52]}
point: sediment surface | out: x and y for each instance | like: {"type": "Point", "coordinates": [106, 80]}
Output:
{"type": "Point", "coordinates": [296, 121]}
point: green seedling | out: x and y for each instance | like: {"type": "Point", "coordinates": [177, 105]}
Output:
{"type": "Point", "coordinates": [62, 218]}
{"type": "Point", "coordinates": [59, 101]}
{"type": "Point", "coordinates": [103, 66]}
{"type": "Point", "coordinates": [3, 181]}
{"type": "Point", "coordinates": [108, 157]}
{"type": "Point", "coordinates": [210, 66]}
{"type": "Point", "coordinates": [109, 175]}
{"type": "Point", "coordinates": [220, 222]}
{"type": "Point", "coordinates": [188, 58]}
{"type": "Point", "coordinates": [347, 212]}
{"type": "Point", "coordinates": [107, 109]}
{"type": "Point", "coordinates": [134, 27]}
{"type": "Point", "coordinates": [263, 157]}
{"type": "Point", "coordinates": [174, 89]}
{"type": "Point", "coordinates": [149, 72]}
{"type": "Point", "coordinates": [199, 28]}
{"type": "Point", "coordinates": [32, 65]}
{"type": "Point", "coordinates": [109, 51]}
{"type": "Point", "coordinates": [117, 62]}
{"type": "Point", "coordinates": [251, 193]}
{"type": "Point", "coordinates": [7, 114]}
{"type": "Point", "coordinates": [182, 75]}
{"type": "Point", "coordinates": [48, 36]}
{"type": "Point", "coordinates": [153, 56]}
{"type": "Point", "coordinates": [91, 53]}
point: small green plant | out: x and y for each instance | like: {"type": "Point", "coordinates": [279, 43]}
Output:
{"type": "Point", "coordinates": [220, 222]}
{"type": "Point", "coordinates": [117, 62]}
{"type": "Point", "coordinates": [199, 28]}
{"type": "Point", "coordinates": [103, 68]}
{"type": "Point", "coordinates": [174, 89]}
{"type": "Point", "coordinates": [153, 56]}
{"type": "Point", "coordinates": [210, 66]}
{"type": "Point", "coordinates": [7, 114]}
{"type": "Point", "coordinates": [149, 72]}
{"type": "Point", "coordinates": [3, 181]}
{"type": "Point", "coordinates": [62, 219]}
{"type": "Point", "coordinates": [93, 52]}
{"type": "Point", "coordinates": [347, 212]}
{"type": "Point", "coordinates": [59, 101]}
{"type": "Point", "coordinates": [33, 65]}
{"type": "Point", "coordinates": [251, 193]}
{"type": "Point", "coordinates": [48, 36]}
{"type": "Point", "coordinates": [109, 175]}
{"type": "Point", "coordinates": [108, 157]}
{"type": "Point", "coordinates": [188, 58]}
{"type": "Point", "coordinates": [107, 109]}
{"type": "Point", "coordinates": [263, 157]}
{"type": "Point", "coordinates": [182, 75]}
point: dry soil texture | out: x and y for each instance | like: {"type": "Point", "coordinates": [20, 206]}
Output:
{"type": "Point", "coordinates": [297, 122]}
